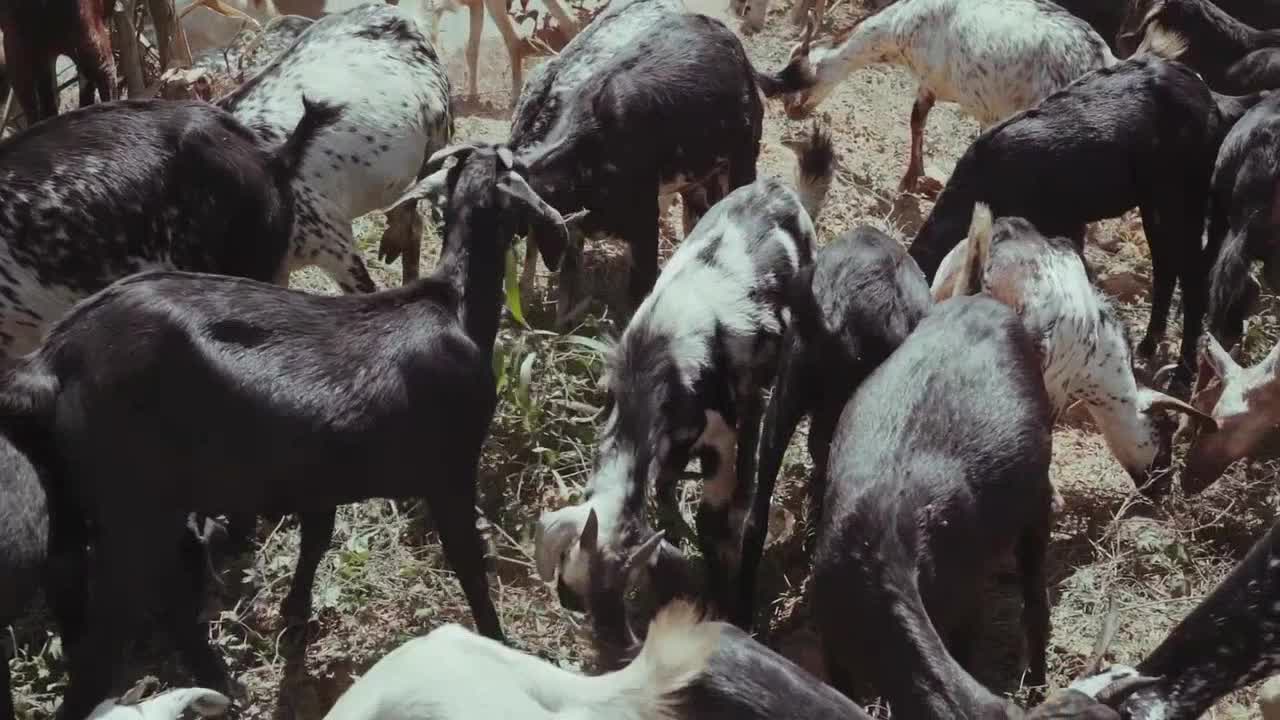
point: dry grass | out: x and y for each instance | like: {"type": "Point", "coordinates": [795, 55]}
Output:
{"type": "Point", "coordinates": [385, 580]}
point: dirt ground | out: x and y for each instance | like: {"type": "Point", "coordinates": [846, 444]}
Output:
{"type": "Point", "coordinates": [382, 584]}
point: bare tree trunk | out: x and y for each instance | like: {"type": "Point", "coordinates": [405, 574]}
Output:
{"type": "Point", "coordinates": [124, 38]}
{"type": "Point", "coordinates": [170, 40]}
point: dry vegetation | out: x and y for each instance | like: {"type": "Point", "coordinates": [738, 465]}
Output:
{"type": "Point", "coordinates": [382, 584]}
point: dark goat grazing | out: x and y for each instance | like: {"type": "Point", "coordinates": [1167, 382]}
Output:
{"type": "Point", "coordinates": [1260, 14]}
{"type": "Point", "coordinates": [1231, 56]}
{"type": "Point", "coordinates": [855, 305]}
{"type": "Point", "coordinates": [1244, 216]}
{"type": "Point", "coordinates": [939, 468]}
{"type": "Point", "coordinates": [609, 128]}
{"type": "Point", "coordinates": [24, 540]}
{"type": "Point", "coordinates": [306, 402]}
{"type": "Point", "coordinates": [36, 32]}
{"type": "Point", "coordinates": [103, 192]}
{"type": "Point", "coordinates": [1142, 133]}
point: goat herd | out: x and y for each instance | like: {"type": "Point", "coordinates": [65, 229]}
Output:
{"type": "Point", "coordinates": [158, 367]}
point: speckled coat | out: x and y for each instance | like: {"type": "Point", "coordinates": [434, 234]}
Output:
{"type": "Point", "coordinates": [376, 60]}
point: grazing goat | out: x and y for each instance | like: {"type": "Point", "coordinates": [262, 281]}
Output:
{"type": "Point", "coordinates": [685, 380]}
{"type": "Point", "coordinates": [307, 402]}
{"type": "Point", "coordinates": [939, 467]}
{"type": "Point", "coordinates": [113, 189]}
{"type": "Point", "coordinates": [1260, 14]}
{"type": "Point", "coordinates": [1244, 215]}
{"type": "Point", "coordinates": [860, 300]}
{"type": "Point", "coordinates": [994, 58]}
{"type": "Point", "coordinates": [610, 128]}
{"type": "Point", "coordinates": [24, 542]}
{"type": "Point", "coordinates": [399, 93]}
{"type": "Point", "coordinates": [1142, 133]}
{"type": "Point", "coordinates": [36, 32]}
{"type": "Point", "coordinates": [1244, 404]}
{"type": "Point", "coordinates": [170, 705]}
{"type": "Point", "coordinates": [1231, 56]}
{"type": "Point", "coordinates": [1083, 347]}
{"type": "Point", "coordinates": [688, 669]}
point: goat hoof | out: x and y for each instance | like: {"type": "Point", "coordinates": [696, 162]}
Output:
{"type": "Point", "coordinates": [926, 187]}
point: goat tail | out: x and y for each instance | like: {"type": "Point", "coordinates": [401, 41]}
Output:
{"type": "Point", "coordinates": [815, 166]}
{"type": "Point", "coordinates": [1228, 280]}
{"type": "Point", "coordinates": [28, 392]}
{"type": "Point", "coordinates": [977, 250]}
{"type": "Point", "coordinates": [316, 116]}
{"type": "Point", "coordinates": [795, 76]}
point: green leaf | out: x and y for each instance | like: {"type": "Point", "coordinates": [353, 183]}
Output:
{"type": "Point", "coordinates": [592, 344]}
{"type": "Point", "coordinates": [511, 283]}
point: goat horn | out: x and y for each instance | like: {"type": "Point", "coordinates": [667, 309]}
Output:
{"type": "Point", "coordinates": [1160, 401]}
{"type": "Point", "coordinates": [1163, 373]}
{"type": "Point", "coordinates": [1120, 690]}
{"type": "Point", "coordinates": [432, 187]}
{"type": "Point", "coordinates": [438, 158]}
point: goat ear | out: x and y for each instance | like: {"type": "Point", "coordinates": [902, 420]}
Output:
{"type": "Point", "coordinates": [589, 540]}
{"type": "Point", "coordinates": [508, 160]}
{"type": "Point", "coordinates": [437, 160]}
{"type": "Point", "coordinates": [514, 186]}
{"type": "Point", "coordinates": [643, 557]}
{"type": "Point", "coordinates": [1215, 358]}
{"type": "Point", "coordinates": [434, 188]}
{"type": "Point", "coordinates": [1152, 401]}
{"type": "Point", "coordinates": [556, 532]}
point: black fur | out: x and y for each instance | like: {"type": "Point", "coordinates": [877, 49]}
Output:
{"type": "Point", "coordinates": [24, 540]}
{"type": "Point", "coordinates": [1231, 56]}
{"type": "Point", "coordinates": [1143, 133]}
{"type": "Point", "coordinates": [1260, 14]}
{"type": "Point", "coordinates": [939, 466]}
{"type": "Point", "coordinates": [856, 304]}
{"type": "Point", "coordinates": [242, 397]}
{"type": "Point", "coordinates": [1104, 16]}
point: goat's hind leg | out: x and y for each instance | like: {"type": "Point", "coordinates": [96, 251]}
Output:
{"type": "Point", "coordinates": [316, 531]}
{"type": "Point", "coordinates": [1035, 599]}
{"type": "Point", "coordinates": [453, 506]}
{"type": "Point", "coordinates": [915, 179]}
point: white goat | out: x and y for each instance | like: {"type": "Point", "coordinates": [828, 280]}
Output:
{"type": "Point", "coordinates": [687, 669]}
{"type": "Point", "coordinates": [397, 98]}
{"type": "Point", "coordinates": [165, 706]}
{"type": "Point", "coordinates": [994, 58]}
{"type": "Point", "coordinates": [1084, 348]}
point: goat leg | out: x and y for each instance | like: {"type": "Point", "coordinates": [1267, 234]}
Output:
{"type": "Point", "coordinates": [475, 8]}
{"type": "Point", "coordinates": [454, 510]}
{"type": "Point", "coordinates": [912, 181]}
{"type": "Point", "coordinates": [316, 532]}
{"type": "Point", "coordinates": [1035, 599]}
{"type": "Point", "coordinates": [1163, 280]}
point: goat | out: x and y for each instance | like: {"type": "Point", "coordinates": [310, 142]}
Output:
{"type": "Point", "coordinates": [1144, 132]}
{"type": "Point", "coordinates": [36, 32]}
{"type": "Point", "coordinates": [865, 296]}
{"type": "Point", "coordinates": [688, 669]}
{"type": "Point", "coordinates": [1231, 56]}
{"type": "Point", "coordinates": [994, 58]}
{"type": "Point", "coordinates": [225, 344]}
{"type": "Point", "coordinates": [120, 187]}
{"type": "Point", "coordinates": [170, 705]}
{"type": "Point", "coordinates": [396, 79]}
{"type": "Point", "coordinates": [939, 466]}
{"type": "Point", "coordinates": [1083, 347]}
{"type": "Point", "coordinates": [1260, 14]}
{"type": "Point", "coordinates": [1243, 216]}
{"type": "Point", "coordinates": [612, 127]}
{"type": "Point", "coordinates": [24, 540]}
{"type": "Point", "coordinates": [685, 380]}
{"type": "Point", "coordinates": [1244, 407]}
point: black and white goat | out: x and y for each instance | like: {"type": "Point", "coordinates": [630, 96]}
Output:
{"type": "Point", "coordinates": [860, 300]}
{"type": "Point", "coordinates": [109, 190]}
{"type": "Point", "coordinates": [688, 669]}
{"type": "Point", "coordinates": [1142, 133]}
{"type": "Point", "coordinates": [647, 101]}
{"type": "Point", "coordinates": [1244, 214]}
{"type": "Point", "coordinates": [306, 402]}
{"type": "Point", "coordinates": [397, 95]}
{"type": "Point", "coordinates": [1231, 56]}
{"type": "Point", "coordinates": [939, 468]}
{"type": "Point", "coordinates": [994, 58]}
{"type": "Point", "coordinates": [1083, 346]}
{"type": "Point", "coordinates": [684, 381]}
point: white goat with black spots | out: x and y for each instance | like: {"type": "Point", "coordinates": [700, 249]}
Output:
{"type": "Point", "coordinates": [1084, 348]}
{"type": "Point", "coordinates": [994, 58]}
{"type": "Point", "coordinates": [685, 381]}
{"type": "Point", "coordinates": [398, 95]}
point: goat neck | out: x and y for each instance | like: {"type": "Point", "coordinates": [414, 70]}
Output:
{"type": "Point", "coordinates": [1231, 639]}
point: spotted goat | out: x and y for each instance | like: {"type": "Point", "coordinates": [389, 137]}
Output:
{"type": "Point", "coordinates": [685, 380]}
{"type": "Point", "coordinates": [994, 58]}
{"type": "Point", "coordinates": [122, 187]}
{"type": "Point", "coordinates": [1083, 346]}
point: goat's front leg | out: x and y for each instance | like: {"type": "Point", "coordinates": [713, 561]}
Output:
{"type": "Point", "coordinates": [915, 179]}
{"type": "Point", "coordinates": [452, 503]}
{"type": "Point", "coordinates": [726, 498]}
{"type": "Point", "coordinates": [1163, 278]}
{"type": "Point", "coordinates": [475, 9]}
{"type": "Point", "coordinates": [642, 238]}
{"type": "Point", "coordinates": [316, 531]}
{"type": "Point", "coordinates": [1035, 599]}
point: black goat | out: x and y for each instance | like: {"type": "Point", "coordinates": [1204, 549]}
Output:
{"type": "Point", "coordinates": [857, 303]}
{"type": "Point", "coordinates": [305, 402]}
{"type": "Point", "coordinates": [613, 125]}
{"type": "Point", "coordinates": [1142, 133]}
{"type": "Point", "coordinates": [939, 467]}
{"type": "Point", "coordinates": [1244, 215]}
{"type": "Point", "coordinates": [112, 189]}
{"type": "Point", "coordinates": [1260, 14]}
{"type": "Point", "coordinates": [1231, 56]}
{"type": "Point", "coordinates": [24, 542]}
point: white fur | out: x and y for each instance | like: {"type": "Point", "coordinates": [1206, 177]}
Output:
{"type": "Point", "coordinates": [396, 114]}
{"type": "Point", "coordinates": [994, 58]}
{"type": "Point", "coordinates": [455, 674]}
{"type": "Point", "coordinates": [165, 706]}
